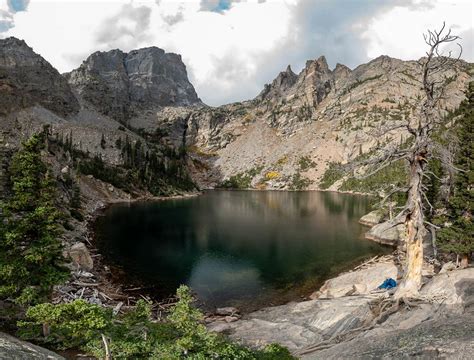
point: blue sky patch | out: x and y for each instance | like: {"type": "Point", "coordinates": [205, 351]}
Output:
{"type": "Point", "coordinates": [18, 5]}
{"type": "Point", "coordinates": [216, 5]}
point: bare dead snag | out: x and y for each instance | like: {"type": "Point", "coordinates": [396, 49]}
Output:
{"type": "Point", "coordinates": [421, 150]}
{"type": "Point", "coordinates": [421, 128]}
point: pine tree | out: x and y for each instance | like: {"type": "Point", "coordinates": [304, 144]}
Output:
{"type": "Point", "coordinates": [30, 251]}
{"type": "Point", "coordinates": [457, 235]}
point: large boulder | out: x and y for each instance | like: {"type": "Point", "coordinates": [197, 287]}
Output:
{"type": "Point", "coordinates": [15, 349]}
{"type": "Point", "coordinates": [456, 288]}
{"type": "Point", "coordinates": [449, 338]}
{"type": "Point", "coordinates": [81, 257]}
{"type": "Point", "coordinates": [361, 281]}
{"type": "Point", "coordinates": [387, 233]}
{"type": "Point", "coordinates": [372, 218]}
{"type": "Point", "coordinates": [404, 334]}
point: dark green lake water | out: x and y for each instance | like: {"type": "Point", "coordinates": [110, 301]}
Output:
{"type": "Point", "coordinates": [242, 248]}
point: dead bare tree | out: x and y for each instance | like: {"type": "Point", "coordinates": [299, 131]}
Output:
{"type": "Point", "coordinates": [421, 128]}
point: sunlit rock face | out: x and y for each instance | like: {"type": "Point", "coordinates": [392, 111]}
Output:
{"type": "Point", "coordinates": [299, 124]}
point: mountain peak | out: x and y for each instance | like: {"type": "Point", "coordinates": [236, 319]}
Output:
{"type": "Point", "coordinates": [284, 81]}
{"type": "Point", "coordinates": [319, 64]}
{"type": "Point", "coordinates": [26, 79]}
{"type": "Point", "coordinates": [120, 83]}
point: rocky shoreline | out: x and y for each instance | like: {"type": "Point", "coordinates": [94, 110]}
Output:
{"type": "Point", "coordinates": [343, 320]}
{"type": "Point", "coordinates": [340, 318]}
{"type": "Point", "coordinates": [94, 278]}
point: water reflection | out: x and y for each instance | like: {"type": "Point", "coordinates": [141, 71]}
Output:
{"type": "Point", "coordinates": [238, 247]}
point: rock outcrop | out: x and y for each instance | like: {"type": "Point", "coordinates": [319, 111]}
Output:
{"type": "Point", "coordinates": [35, 97]}
{"type": "Point", "coordinates": [120, 84]}
{"type": "Point", "coordinates": [387, 233]}
{"type": "Point", "coordinates": [407, 333]}
{"type": "Point", "coordinates": [449, 338]}
{"type": "Point", "coordinates": [12, 348]}
{"type": "Point", "coordinates": [294, 129]}
{"type": "Point", "coordinates": [362, 281]}
{"type": "Point", "coordinates": [372, 218]}
{"type": "Point", "coordinates": [280, 86]}
{"type": "Point", "coordinates": [301, 123]}
{"type": "Point", "coordinates": [26, 79]}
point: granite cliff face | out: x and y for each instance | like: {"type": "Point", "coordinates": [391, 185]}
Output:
{"type": "Point", "coordinates": [88, 119]}
{"type": "Point", "coordinates": [298, 125]}
{"type": "Point", "coordinates": [285, 138]}
{"type": "Point", "coordinates": [26, 79]}
{"type": "Point", "coordinates": [121, 85]}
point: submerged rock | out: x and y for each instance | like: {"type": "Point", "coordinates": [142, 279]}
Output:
{"type": "Point", "coordinates": [227, 311]}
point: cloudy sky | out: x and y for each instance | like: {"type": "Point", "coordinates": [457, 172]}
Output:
{"type": "Point", "coordinates": [233, 47]}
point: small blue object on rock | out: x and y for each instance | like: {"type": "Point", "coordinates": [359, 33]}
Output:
{"type": "Point", "coordinates": [388, 284]}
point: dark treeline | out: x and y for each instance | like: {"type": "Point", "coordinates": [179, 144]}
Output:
{"type": "Point", "coordinates": [156, 168]}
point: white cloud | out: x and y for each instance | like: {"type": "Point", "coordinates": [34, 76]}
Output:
{"type": "Point", "coordinates": [231, 48]}
{"type": "Point", "coordinates": [399, 32]}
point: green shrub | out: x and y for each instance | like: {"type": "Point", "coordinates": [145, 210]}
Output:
{"type": "Point", "coordinates": [66, 325]}
{"type": "Point", "coordinates": [135, 335]}
{"type": "Point", "coordinates": [305, 163]}
{"type": "Point", "coordinates": [457, 227]}
{"type": "Point", "coordinates": [394, 175]}
{"type": "Point", "coordinates": [299, 183]}
{"type": "Point", "coordinates": [331, 175]}
{"type": "Point", "coordinates": [30, 249]}
{"type": "Point", "coordinates": [241, 180]}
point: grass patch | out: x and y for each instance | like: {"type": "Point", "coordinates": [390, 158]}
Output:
{"type": "Point", "coordinates": [331, 175]}
{"type": "Point", "coordinates": [242, 180]}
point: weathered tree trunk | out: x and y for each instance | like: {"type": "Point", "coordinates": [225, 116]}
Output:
{"type": "Point", "coordinates": [416, 231]}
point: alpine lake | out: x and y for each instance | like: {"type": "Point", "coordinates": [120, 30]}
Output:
{"type": "Point", "coordinates": [248, 249]}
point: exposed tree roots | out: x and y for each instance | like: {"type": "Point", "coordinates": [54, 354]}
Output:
{"type": "Point", "coordinates": [382, 309]}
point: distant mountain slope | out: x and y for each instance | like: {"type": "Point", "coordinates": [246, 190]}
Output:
{"type": "Point", "coordinates": [289, 134]}
{"type": "Point", "coordinates": [92, 137]}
